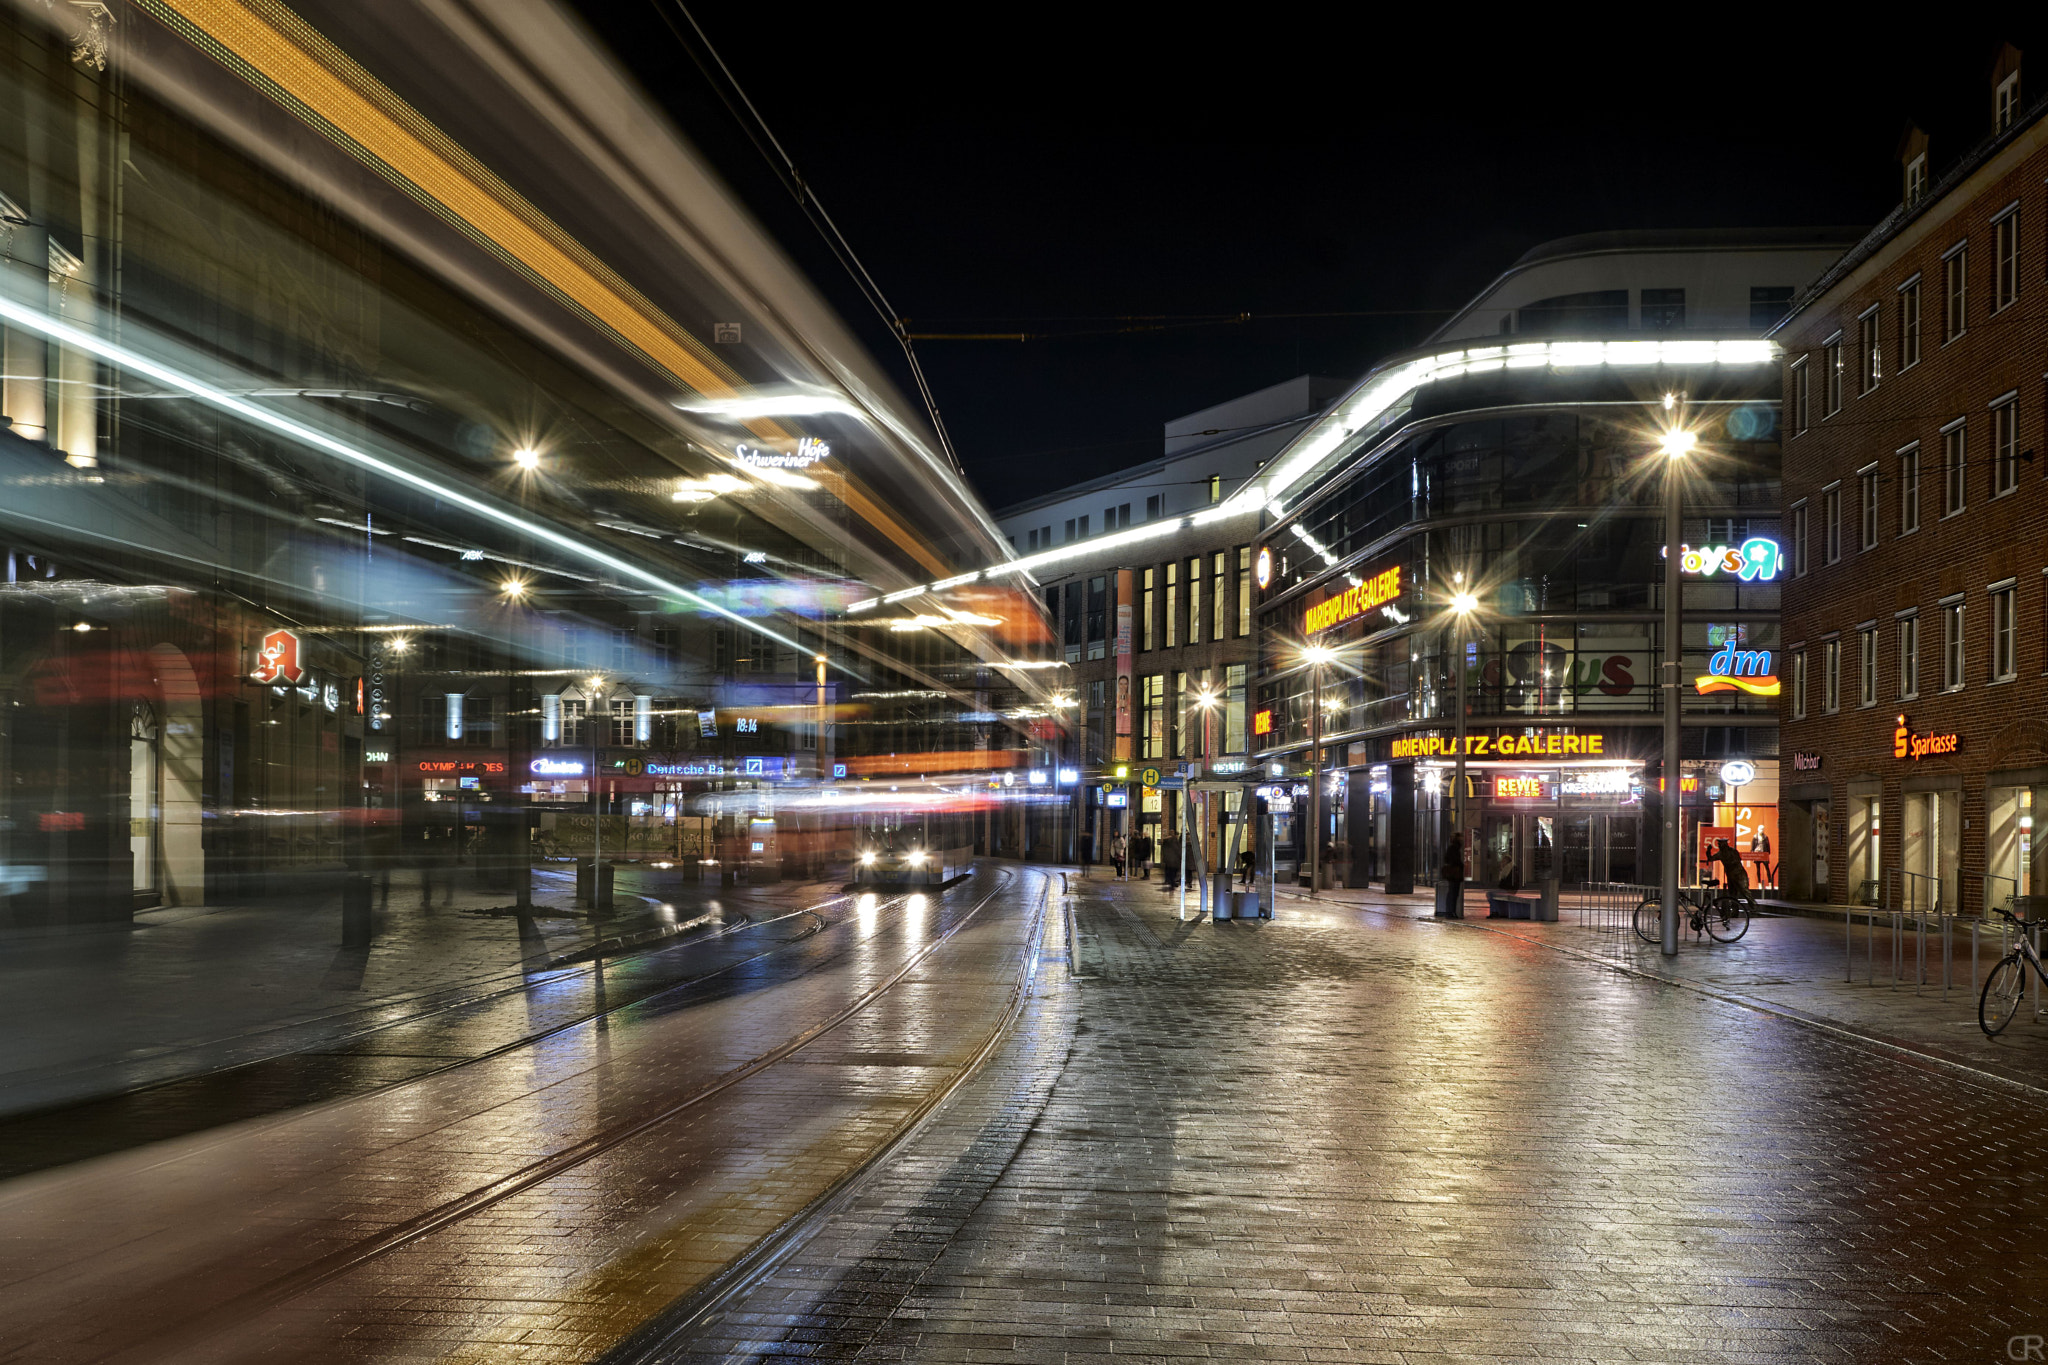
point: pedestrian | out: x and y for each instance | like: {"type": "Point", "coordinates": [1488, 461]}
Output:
{"type": "Point", "coordinates": [1141, 853]}
{"type": "Point", "coordinates": [1247, 867]}
{"type": "Point", "coordinates": [1733, 878]}
{"type": "Point", "coordinates": [1117, 852]}
{"type": "Point", "coordinates": [1169, 861]}
{"type": "Point", "coordinates": [1453, 872]}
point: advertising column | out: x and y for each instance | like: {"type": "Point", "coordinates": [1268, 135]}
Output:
{"type": "Point", "coordinates": [1124, 679]}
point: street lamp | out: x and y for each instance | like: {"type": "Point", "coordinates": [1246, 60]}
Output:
{"type": "Point", "coordinates": [1463, 604]}
{"type": "Point", "coordinates": [1315, 656]}
{"type": "Point", "coordinates": [526, 457]}
{"type": "Point", "coordinates": [1677, 442]}
{"type": "Point", "coordinates": [1206, 701]}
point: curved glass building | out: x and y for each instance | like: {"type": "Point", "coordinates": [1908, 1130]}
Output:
{"type": "Point", "coordinates": [1523, 470]}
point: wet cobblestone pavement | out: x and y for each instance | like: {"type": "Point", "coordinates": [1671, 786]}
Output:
{"type": "Point", "coordinates": [542, 1200]}
{"type": "Point", "coordinates": [1350, 1135]}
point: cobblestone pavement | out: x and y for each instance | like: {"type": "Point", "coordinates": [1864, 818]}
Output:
{"type": "Point", "coordinates": [186, 993]}
{"type": "Point", "coordinates": [539, 1202]}
{"type": "Point", "coordinates": [1351, 1135]}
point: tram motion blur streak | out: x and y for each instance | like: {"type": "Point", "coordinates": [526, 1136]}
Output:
{"type": "Point", "coordinates": [336, 1264]}
{"type": "Point", "coordinates": [35, 320]}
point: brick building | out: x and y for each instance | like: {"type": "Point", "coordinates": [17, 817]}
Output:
{"type": "Point", "coordinates": [1915, 742]}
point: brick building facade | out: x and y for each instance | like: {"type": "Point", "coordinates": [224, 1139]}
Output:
{"type": "Point", "coordinates": [1915, 711]}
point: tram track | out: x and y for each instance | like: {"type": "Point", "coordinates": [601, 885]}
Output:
{"type": "Point", "coordinates": [326, 1269]}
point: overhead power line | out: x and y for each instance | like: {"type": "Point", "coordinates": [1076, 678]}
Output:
{"type": "Point", "coordinates": [784, 166]}
{"type": "Point", "coordinates": [1159, 322]}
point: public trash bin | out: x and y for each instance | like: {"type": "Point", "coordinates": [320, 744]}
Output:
{"type": "Point", "coordinates": [594, 893]}
{"type": "Point", "coordinates": [357, 926]}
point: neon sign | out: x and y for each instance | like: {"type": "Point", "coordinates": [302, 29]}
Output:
{"type": "Point", "coordinates": [1906, 744]}
{"type": "Point", "coordinates": [1354, 602]}
{"type": "Point", "coordinates": [1519, 788]}
{"type": "Point", "coordinates": [278, 659]}
{"type": "Point", "coordinates": [1262, 568]}
{"type": "Point", "coordinates": [1505, 746]}
{"type": "Point", "coordinates": [1262, 722]}
{"type": "Point", "coordinates": [446, 765]}
{"type": "Point", "coordinates": [557, 767]}
{"type": "Point", "coordinates": [1738, 670]}
{"type": "Point", "coordinates": [1756, 560]}
{"type": "Point", "coordinates": [808, 452]}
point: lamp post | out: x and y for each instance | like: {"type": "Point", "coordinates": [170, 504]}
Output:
{"type": "Point", "coordinates": [1677, 442]}
{"type": "Point", "coordinates": [1205, 700]}
{"type": "Point", "coordinates": [519, 753]}
{"type": "Point", "coordinates": [1463, 604]}
{"type": "Point", "coordinates": [1317, 656]}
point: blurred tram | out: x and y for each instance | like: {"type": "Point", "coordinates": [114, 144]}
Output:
{"type": "Point", "coordinates": [912, 847]}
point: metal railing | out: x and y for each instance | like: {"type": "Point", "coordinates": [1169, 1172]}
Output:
{"type": "Point", "coordinates": [1911, 907]}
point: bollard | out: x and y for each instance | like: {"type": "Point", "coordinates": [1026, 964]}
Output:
{"type": "Point", "coordinates": [1848, 955]}
{"type": "Point", "coordinates": [357, 927]}
{"type": "Point", "coordinates": [1974, 983]}
{"type": "Point", "coordinates": [1898, 918]}
{"type": "Point", "coordinates": [1870, 947]}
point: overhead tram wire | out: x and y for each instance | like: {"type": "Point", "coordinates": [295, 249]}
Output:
{"type": "Point", "coordinates": [784, 165]}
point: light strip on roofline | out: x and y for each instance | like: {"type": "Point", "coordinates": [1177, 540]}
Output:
{"type": "Point", "coordinates": [1310, 454]}
{"type": "Point", "coordinates": [67, 335]}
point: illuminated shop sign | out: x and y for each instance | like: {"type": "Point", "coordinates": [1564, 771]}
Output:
{"type": "Point", "coordinates": [1262, 722]}
{"type": "Point", "coordinates": [713, 767]}
{"type": "Point", "coordinates": [277, 659]}
{"type": "Point", "coordinates": [376, 756]}
{"type": "Point", "coordinates": [1596, 782]}
{"type": "Point", "coordinates": [1806, 763]}
{"type": "Point", "coordinates": [1503, 746]}
{"type": "Point", "coordinates": [558, 767]}
{"type": "Point", "coordinates": [808, 452]}
{"type": "Point", "coordinates": [1906, 744]}
{"type": "Point", "coordinates": [1738, 772]}
{"type": "Point", "coordinates": [1354, 602]}
{"type": "Point", "coordinates": [1746, 670]}
{"type": "Point", "coordinates": [1519, 787]}
{"type": "Point", "coordinates": [459, 766]}
{"type": "Point", "coordinates": [1262, 568]}
{"type": "Point", "coordinates": [1756, 560]}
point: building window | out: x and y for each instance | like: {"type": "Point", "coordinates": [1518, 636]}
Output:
{"type": "Point", "coordinates": [1768, 303]}
{"type": "Point", "coordinates": [1173, 605]}
{"type": "Point", "coordinates": [2005, 103]}
{"type": "Point", "coordinates": [1152, 703]}
{"type": "Point", "coordinates": [1152, 506]}
{"type": "Point", "coordinates": [1831, 676]}
{"type": "Point", "coordinates": [1799, 685]}
{"type": "Point", "coordinates": [2005, 663]}
{"type": "Point", "coordinates": [1663, 310]}
{"type": "Point", "coordinates": [1180, 715]}
{"type": "Point", "coordinates": [1951, 646]}
{"type": "Point", "coordinates": [574, 711]}
{"type": "Point", "coordinates": [1909, 489]}
{"type": "Point", "coordinates": [1219, 595]}
{"type": "Point", "coordinates": [1234, 676]}
{"type": "Point", "coordinates": [1799, 540]}
{"type": "Point", "coordinates": [1244, 591]}
{"type": "Point", "coordinates": [1797, 397]}
{"type": "Point", "coordinates": [1866, 667]}
{"type": "Point", "coordinates": [2005, 454]}
{"type": "Point", "coordinates": [1866, 482]}
{"type": "Point", "coordinates": [1215, 489]}
{"type": "Point", "coordinates": [2005, 282]}
{"type": "Point", "coordinates": [1955, 293]}
{"type": "Point", "coordinates": [1909, 656]}
{"type": "Point", "coordinates": [1955, 445]}
{"type": "Point", "coordinates": [1869, 357]}
{"type": "Point", "coordinates": [1916, 179]}
{"type": "Point", "coordinates": [1098, 617]}
{"type": "Point", "coordinates": [1194, 601]}
{"type": "Point", "coordinates": [1831, 376]}
{"type": "Point", "coordinates": [1145, 607]}
{"type": "Point", "coordinates": [1831, 524]}
{"type": "Point", "coordinates": [1909, 323]}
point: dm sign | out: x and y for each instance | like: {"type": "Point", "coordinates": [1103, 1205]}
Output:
{"type": "Point", "coordinates": [1744, 670]}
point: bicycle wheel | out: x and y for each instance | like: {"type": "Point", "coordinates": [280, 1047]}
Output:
{"type": "Point", "coordinates": [1729, 919]}
{"type": "Point", "coordinates": [1650, 921]}
{"type": "Point", "coordinates": [2001, 997]}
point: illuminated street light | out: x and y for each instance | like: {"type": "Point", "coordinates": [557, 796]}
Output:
{"type": "Point", "coordinates": [526, 457]}
{"type": "Point", "coordinates": [1677, 441]}
{"type": "Point", "coordinates": [1463, 603]}
{"type": "Point", "coordinates": [1315, 656]}
{"type": "Point", "coordinates": [514, 588]}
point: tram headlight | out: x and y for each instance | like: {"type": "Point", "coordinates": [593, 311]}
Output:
{"type": "Point", "coordinates": [917, 859]}
{"type": "Point", "coordinates": [867, 859]}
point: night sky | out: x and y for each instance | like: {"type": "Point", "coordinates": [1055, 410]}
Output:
{"type": "Point", "coordinates": [1346, 184]}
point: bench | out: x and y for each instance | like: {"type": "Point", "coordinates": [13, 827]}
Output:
{"type": "Point", "coordinates": [1508, 905]}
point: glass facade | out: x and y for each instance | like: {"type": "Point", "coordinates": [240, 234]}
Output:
{"type": "Point", "coordinates": [1542, 497]}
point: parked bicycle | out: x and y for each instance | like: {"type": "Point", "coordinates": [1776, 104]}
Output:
{"type": "Point", "coordinates": [1707, 909]}
{"type": "Point", "coordinates": [2008, 980]}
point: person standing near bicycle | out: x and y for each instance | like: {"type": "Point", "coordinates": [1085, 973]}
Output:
{"type": "Point", "coordinates": [1734, 880]}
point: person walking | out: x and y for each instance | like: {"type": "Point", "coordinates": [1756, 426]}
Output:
{"type": "Point", "coordinates": [1117, 852]}
{"type": "Point", "coordinates": [1169, 861]}
{"type": "Point", "coordinates": [1141, 854]}
{"type": "Point", "coordinates": [1453, 873]}
{"type": "Point", "coordinates": [1733, 879]}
